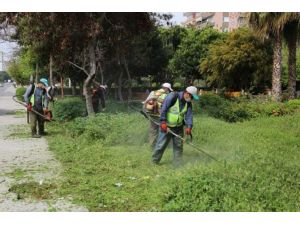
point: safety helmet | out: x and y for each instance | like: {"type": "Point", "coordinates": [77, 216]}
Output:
{"type": "Point", "coordinates": [44, 81]}
{"type": "Point", "coordinates": [193, 91]}
{"type": "Point", "coordinates": [167, 85]}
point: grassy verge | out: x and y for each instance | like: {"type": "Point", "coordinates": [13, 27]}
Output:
{"type": "Point", "coordinates": [106, 165]}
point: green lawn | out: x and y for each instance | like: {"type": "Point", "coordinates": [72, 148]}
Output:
{"type": "Point", "coordinates": [107, 165]}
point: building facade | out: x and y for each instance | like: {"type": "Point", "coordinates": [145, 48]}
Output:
{"type": "Point", "coordinates": [222, 21]}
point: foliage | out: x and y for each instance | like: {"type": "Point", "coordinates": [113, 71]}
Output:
{"type": "Point", "coordinates": [20, 91]}
{"type": "Point", "coordinates": [14, 71]}
{"type": "Point", "coordinates": [294, 102]}
{"type": "Point", "coordinates": [23, 67]}
{"type": "Point", "coordinates": [193, 48]}
{"type": "Point", "coordinates": [244, 108]}
{"type": "Point", "coordinates": [68, 108]}
{"type": "Point", "coordinates": [238, 62]}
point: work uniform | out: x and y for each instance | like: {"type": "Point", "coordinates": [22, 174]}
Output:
{"type": "Point", "coordinates": [98, 96]}
{"type": "Point", "coordinates": [39, 101]}
{"type": "Point", "coordinates": [156, 98]}
{"type": "Point", "coordinates": [176, 112]}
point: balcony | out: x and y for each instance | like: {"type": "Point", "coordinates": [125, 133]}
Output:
{"type": "Point", "coordinates": [205, 23]}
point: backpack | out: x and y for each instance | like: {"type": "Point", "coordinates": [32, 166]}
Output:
{"type": "Point", "coordinates": [154, 104]}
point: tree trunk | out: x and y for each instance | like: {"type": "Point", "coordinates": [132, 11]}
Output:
{"type": "Point", "coordinates": [51, 81]}
{"type": "Point", "coordinates": [73, 88]}
{"type": "Point", "coordinates": [101, 73]}
{"type": "Point", "coordinates": [62, 86]}
{"type": "Point", "coordinates": [128, 77]}
{"type": "Point", "coordinates": [292, 47]}
{"type": "Point", "coordinates": [120, 96]}
{"type": "Point", "coordinates": [51, 69]}
{"type": "Point", "coordinates": [276, 75]}
{"type": "Point", "coordinates": [87, 83]}
{"type": "Point", "coordinates": [36, 72]}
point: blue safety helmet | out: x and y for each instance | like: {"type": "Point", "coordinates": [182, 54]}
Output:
{"type": "Point", "coordinates": [44, 81]}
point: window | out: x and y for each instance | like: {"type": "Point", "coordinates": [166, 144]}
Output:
{"type": "Point", "coordinates": [226, 19]}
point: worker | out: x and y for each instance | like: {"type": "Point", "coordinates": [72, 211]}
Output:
{"type": "Point", "coordinates": [36, 98]}
{"type": "Point", "coordinates": [176, 113]}
{"type": "Point", "coordinates": [152, 105]}
{"type": "Point", "coordinates": [99, 97]}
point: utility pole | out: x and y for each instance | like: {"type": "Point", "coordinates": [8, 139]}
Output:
{"type": "Point", "coordinates": [2, 61]}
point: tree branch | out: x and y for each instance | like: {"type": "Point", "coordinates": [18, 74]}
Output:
{"type": "Point", "coordinates": [81, 68]}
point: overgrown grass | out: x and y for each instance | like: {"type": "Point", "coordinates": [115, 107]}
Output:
{"type": "Point", "coordinates": [107, 167]}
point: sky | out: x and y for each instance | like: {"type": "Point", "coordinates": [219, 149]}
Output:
{"type": "Point", "coordinates": [178, 17]}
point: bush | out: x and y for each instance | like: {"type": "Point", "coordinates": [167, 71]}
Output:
{"type": "Point", "coordinates": [20, 91]}
{"type": "Point", "coordinates": [294, 102]}
{"type": "Point", "coordinates": [68, 108]}
{"type": "Point", "coordinates": [213, 104]}
{"type": "Point", "coordinates": [244, 108]}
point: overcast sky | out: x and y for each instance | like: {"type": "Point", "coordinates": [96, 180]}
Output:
{"type": "Point", "coordinates": [178, 17]}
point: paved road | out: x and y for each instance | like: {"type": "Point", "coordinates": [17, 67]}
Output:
{"type": "Point", "coordinates": [24, 154]}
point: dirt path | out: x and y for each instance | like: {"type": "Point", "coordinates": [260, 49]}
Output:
{"type": "Point", "coordinates": [23, 160]}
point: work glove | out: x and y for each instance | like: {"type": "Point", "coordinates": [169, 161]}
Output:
{"type": "Point", "coordinates": [164, 127]}
{"type": "Point", "coordinates": [29, 107]}
{"type": "Point", "coordinates": [188, 131]}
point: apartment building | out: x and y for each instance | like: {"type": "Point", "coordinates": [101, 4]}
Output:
{"type": "Point", "coordinates": [223, 21]}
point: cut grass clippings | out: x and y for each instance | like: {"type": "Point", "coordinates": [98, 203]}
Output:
{"type": "Point", "coordinates": [33, 190]}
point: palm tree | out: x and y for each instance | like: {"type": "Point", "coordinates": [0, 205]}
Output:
{"type": "Point", "coordinates": [291, 22]}
{"type": "Point", "coordinates": [269, 26]}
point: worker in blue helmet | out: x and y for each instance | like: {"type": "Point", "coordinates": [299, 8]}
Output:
{"type": "Point", "coordinates": [36, 98]}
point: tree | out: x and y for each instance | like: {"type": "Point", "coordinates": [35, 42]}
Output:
{"type": "Point", "coordinates": [87, 43]}
{"type": "Point", "coordinates": [268, 25]}
{"type": "Point", "coordinates": [22, 67]}
{"type": "Point", "coordinates": [240, 61]}
{"type": "Point", "coordinates": [42, 34]}
{"type": "Point", "coordinates": [291, 22]}
{"type": "Point", "coordinates": [194, 46]}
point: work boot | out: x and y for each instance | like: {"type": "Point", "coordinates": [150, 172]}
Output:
{"type": "Point", "coordinates": [35, 136]}
{"type": "Point", "coordinates": [43, 133]}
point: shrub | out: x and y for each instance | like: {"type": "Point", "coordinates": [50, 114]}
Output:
{"type": "Point", "coordinates": [294, 102]}
{"type": "Point", "coordinates": [212, 104]}
{"type": "Point", "coordinates": [68, 108]}
{"type": "Point", "coordinates": [20, 91]}
{"type": "Point", "coordinates": [236, 112]}
{"type": "Point", "coordinates": [245, 108]}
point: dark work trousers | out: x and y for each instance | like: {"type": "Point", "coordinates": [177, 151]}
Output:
{"type": "Point", "coordinates": [36, 121]}
{"type": "Point", "coordinates": [153, 133]}
{"type": "Point", "coordinates": [162, 143]}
